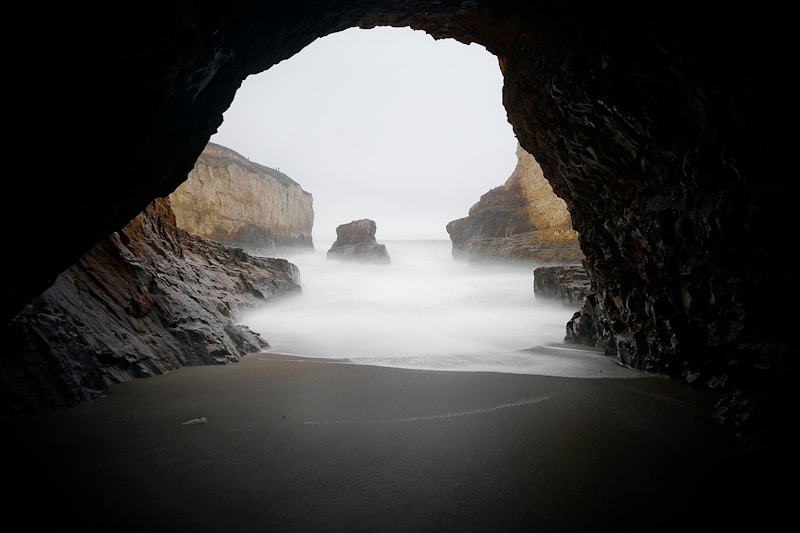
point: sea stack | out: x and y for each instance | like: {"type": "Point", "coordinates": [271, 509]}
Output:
{"type": "Point", "coordinates": [355, 241]}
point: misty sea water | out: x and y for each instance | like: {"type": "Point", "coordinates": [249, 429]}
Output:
{"type": "Point", "coordinates": [424, 310]}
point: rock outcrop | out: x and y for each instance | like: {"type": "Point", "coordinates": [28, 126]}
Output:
{"type": "Point", "coordinates": [148, 299]}
{"type": "Point", "coordinates": [586, 327]}
{"type": "Point", "coordinates": [567, 284]}
{"type": "Point", "coordinates": [522, 220]}
{"type": "Point", "coordinates": [355, 241]}
{"type": "Point", "coordinates": [229, 199]}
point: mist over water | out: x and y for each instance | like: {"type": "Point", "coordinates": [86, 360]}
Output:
{"type": "Point", "coordinates": [425, 310]}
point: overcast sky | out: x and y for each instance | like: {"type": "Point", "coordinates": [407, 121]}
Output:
{"type": "Point", "coordinates": [386, 124]}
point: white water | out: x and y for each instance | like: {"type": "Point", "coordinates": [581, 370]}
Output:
{"type": "Point", "coordinates": [425, 310]}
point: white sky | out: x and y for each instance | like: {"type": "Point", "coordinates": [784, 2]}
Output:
{"type": "Point", "coordinates": [386, 124]}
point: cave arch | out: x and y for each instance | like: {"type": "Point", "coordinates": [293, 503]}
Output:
{"type": "Point", "coordinates": [666, 140]}
{"type": "Point", "coordinates": [412, 126]}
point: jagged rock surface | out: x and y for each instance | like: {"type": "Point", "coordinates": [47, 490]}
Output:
{"type": "Point", "coordinates": [355, 241]}
{"type": "Point", "coordinates": [148, 299]}
{"type": "Point", "coordinates": [229, 199]}
{"type": "Point", "coordinates": [522, 220]}
{"type": "Point", "coordinates": [567, 284]}
{"type": "Point", "coordinates": [586, 327]}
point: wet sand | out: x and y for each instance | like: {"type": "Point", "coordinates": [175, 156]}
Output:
{"type": "Point", "coordinates": [292, 444]}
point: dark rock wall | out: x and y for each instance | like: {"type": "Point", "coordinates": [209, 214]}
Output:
{"type": "Point", "coordinates": [148, 299]}
{"type": "Point", "coordinates": [664, 128]}
{"type": "Point", "coordinates": [668, 156]}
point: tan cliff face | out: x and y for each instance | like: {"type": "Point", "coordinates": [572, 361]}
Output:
{"type": "Point", "coordinates": [521, 220]}
{"type": "Point", "coordinates": [231, 200]}
{"type": "Point", "coordinates": [547, 213]}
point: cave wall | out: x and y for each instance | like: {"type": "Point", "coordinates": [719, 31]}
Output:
{"type": "Point", "coordinates": [663, 128]}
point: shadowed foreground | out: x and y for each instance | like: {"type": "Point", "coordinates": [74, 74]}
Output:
{"type": "Point", "coordinates": [293, 444]}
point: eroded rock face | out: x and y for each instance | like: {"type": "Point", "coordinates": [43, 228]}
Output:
{"type": "Point", "coordinates": [148, 299]}
{"type": "Point", "coordinates": [663, 128]}
{"type": "Point", "coordinates": [520, 221]}
{"type": "Point", "coordinates": [234, 201]}
{"type": "Point", "coordinates": [355, 241]}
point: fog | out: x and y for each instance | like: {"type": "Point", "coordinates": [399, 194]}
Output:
{"type": "Point", "coordinates": [391, 125]}
{"type": "Point", "coordinates": [425, 310]}
{"type": "Point", "coordinates": [386, 124]}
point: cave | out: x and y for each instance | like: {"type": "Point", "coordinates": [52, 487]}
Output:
{"type": "Point", "coordinates": [663, 128]}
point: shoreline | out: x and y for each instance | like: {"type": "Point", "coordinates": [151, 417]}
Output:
{"type": "Point", "coordinates": [555, 359]}
{"type": "Point", "coordinates": [301, 444]}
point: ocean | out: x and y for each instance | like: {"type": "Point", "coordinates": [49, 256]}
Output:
{"type": "Point", "coordinates": [425, 310]}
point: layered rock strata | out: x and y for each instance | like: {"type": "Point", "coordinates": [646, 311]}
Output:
{"type": "Point", "coordinates": [355, 241]}
{"type": "Point", "coordinates": [522, 220]}
{"type": "Point", "coordinates": [149, 299]}
{"type": "Point", "coordinates": [234, 201]}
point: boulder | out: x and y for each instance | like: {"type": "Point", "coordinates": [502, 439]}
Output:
{"type": "Point", "coordinates": [355, 241]}
{"type": "Point", "coordinates": [567, 284]}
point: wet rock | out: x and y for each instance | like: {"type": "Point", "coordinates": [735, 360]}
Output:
{"type": "Point", "coordinates": [568, 284]}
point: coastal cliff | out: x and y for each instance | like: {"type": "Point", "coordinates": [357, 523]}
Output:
{"type": "Point", "coordinates": [522, 220]}
{"type": "Point", "coordinates": [229, 199]}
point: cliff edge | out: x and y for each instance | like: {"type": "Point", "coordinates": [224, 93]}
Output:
{"type": "Point", "coordinates": [521, 220]}
{"type": "Point", "coordinates": [231, 200]}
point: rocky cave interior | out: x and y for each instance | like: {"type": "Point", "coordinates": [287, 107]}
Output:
{"type": "Point", "coordinates": [664, 133]}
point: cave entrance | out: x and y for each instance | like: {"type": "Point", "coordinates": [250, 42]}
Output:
{"type": "Point", "coordinates": [392, 125]}
{"type": "Point", "coordinates": [386, 123]}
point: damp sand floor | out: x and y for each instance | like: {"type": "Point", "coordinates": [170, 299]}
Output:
{"type": "Point", "coordinates": [294, 444]}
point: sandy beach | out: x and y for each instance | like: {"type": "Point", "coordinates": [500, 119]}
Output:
{"type": "Point", "coordinates": [283, 443]}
